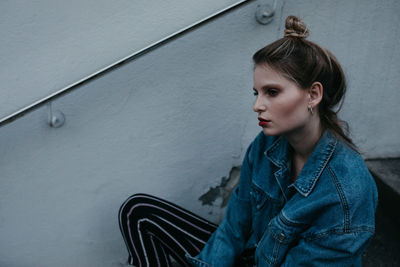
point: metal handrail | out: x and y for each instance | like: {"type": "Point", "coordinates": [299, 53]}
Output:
{"type": "Point", "coordinates": [118, 63]}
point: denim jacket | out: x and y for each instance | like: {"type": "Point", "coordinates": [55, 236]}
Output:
{"type": "Point", "coordinates": [324, 218]}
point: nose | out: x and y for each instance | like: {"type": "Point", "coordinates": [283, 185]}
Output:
{"type": "Point", "coordinates": [259, 106]}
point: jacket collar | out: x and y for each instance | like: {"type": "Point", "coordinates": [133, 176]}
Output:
{"type": "Point", "coordinates": [279, 154]}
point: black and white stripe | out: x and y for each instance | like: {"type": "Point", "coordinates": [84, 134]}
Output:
{"type": "Point", "coordinates": [154, 229]}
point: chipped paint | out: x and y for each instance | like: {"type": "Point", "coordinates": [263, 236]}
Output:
{"type": "Point", "coordinates": [223, 191]}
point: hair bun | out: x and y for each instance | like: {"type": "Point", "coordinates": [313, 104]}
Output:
{"type": "Point", "coordinates": [294, 27]}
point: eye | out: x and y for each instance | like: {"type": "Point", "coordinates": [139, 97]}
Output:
{"type": "Point", "coordinates": [272, 92]}
{"type": "Point", "coordinates": [255, 93]}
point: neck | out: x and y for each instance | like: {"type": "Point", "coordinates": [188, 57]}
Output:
{"type": "Point", "coordinates": [304, 140]}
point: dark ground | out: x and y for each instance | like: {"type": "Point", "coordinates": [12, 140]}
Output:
{"type": "Point", "coordinates": [384, 249]}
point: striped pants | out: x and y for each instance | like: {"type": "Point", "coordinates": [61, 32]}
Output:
{"type": "Point", "coordinates": [156, 230]}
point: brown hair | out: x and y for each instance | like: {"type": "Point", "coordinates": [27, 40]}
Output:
{"type": "Point", "coordinates": [305, 62]}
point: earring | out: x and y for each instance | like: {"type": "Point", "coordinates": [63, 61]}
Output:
{"type": "Point", "coordinates": [310, 109]}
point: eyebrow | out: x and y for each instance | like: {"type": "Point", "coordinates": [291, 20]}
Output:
{"type": "Point", "coordinates": [269, 86]}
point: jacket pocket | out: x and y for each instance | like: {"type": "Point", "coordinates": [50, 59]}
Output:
{"type": "Point", "coordinates": [259, 199]}
{"type": "Point", "coordinates": [263, 209]}
{"type": "Point", "coordinates": [275, 243]}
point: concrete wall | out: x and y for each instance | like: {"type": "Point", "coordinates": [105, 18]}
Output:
{"type": "Point", "coordinates": [48, 45]}
{"type": "Point", "coordinates": [173, 123]}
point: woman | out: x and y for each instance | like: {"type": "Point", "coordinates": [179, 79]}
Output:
{"type": "Point", "coordinates": [305, 196]}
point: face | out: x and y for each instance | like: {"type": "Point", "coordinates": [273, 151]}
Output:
{"type": "Point", "coordinates": [280, 104]}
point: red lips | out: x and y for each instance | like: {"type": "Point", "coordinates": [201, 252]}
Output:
{"type": "Point", "coordinates": [263, 122]}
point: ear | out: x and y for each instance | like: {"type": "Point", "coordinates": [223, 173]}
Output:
{"type": "Point", "coordinates": [315, 93]}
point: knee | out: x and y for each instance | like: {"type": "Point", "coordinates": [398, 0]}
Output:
{"type": "Point", "coordinates": [136, 201]}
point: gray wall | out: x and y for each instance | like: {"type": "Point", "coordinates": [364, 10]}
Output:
{"type": "Point", "coordinates": [48, 45]}
{"type": "Point", "coordinates": [173, 123]}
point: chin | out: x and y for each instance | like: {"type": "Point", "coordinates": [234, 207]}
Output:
{"type": "Point", "coordinates": [269, 132]}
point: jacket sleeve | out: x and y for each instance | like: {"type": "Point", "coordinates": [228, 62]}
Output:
{"type": "Point", "coordinates": [333, 249]}
{"type": "Point", "coordinates": [229, 240]}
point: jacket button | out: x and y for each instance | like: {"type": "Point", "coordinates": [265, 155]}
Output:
{"type": "Point", "coordinates": [281, 236]}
